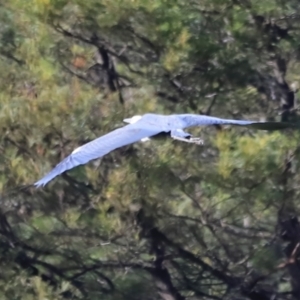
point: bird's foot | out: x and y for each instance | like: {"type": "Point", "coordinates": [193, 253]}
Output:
{"type": "Point", "coordinates": [196, 140]}
{"type": "Point", "coordinates": [192, 140]}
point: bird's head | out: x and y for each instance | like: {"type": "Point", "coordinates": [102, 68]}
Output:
{"type": "Point", "coordinates": [132, 120]}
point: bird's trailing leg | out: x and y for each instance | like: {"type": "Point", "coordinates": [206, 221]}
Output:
{"type": "Point", "coordinates": [192, 140]}
{"type": "Point", "coordinates": [180, 135]}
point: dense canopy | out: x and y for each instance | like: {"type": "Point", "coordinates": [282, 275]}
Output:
{"type": "Point", "coordinates": [164, 220]}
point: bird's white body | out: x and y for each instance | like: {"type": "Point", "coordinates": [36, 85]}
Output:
{"type": "Point", "coordinates": [140, 128]}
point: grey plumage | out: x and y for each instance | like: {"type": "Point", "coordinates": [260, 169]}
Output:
{"type": "Point", "coordinates": [145, 126]}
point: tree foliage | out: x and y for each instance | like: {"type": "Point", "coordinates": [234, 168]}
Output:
{"type": "Point", "coordinates": [163, 219]}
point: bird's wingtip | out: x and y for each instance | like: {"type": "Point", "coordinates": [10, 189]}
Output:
{"type": "Point", "coordinates": [37, 185]}
{"type": "Point", "coordinates": [40, 183]}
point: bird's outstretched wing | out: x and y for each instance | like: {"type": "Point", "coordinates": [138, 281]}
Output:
{"type": "Point", "coordinates": [262, 125]}
{"type": "Point", "coordinates": [99, 147]}
{"type": "Point", "coordinates": [274, 125]}
{"type": "Point", "coordinates": [198, 120]}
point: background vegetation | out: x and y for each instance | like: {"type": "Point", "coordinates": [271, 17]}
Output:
{"type": "Point", "coordinates": [162, 219]}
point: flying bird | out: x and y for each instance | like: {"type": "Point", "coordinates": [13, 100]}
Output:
{"type": "Point", "coordinates": [143, 127]}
